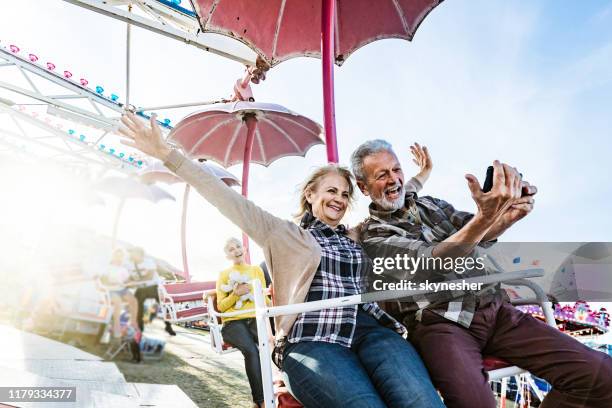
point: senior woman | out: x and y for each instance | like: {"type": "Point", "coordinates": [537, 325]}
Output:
{"type": "Point", "coordinates": [346, 356]}
{"type": "Point", "coordinates": [233, 290]}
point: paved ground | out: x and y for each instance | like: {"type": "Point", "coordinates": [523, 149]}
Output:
{"type": "Point", "coordinates": [29, 360]}
{"type": "Point", "coordinates": [208, 378]}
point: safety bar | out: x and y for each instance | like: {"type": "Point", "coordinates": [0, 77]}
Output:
{"type": "Point", "coordinates": [262, 313]}
{"type": "Point", "coordinates": [541, 299]}
{"type": "Point", "coordinates": [391, 294]}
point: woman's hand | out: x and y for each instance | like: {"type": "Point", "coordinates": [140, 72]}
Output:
{"type": "Point", "coordinates": [241, 289]}
{"type": "Point", "coordinates": [148, 140]}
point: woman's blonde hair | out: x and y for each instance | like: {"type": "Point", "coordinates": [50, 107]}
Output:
{"type": "Point", "coordinates": [312, 183]}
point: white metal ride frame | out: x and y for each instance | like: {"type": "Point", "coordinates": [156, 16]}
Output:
{"type": "Point", "coordinates": [171, 20]}
{"type": "Point", "coordinates": [77, 106]}
{"type": "Point", "coordinates": [263, 313]}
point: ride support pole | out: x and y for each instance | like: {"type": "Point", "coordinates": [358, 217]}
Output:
{"type": "Point", "coordinates": [328, 21]}
{"type": "Point", "coordinates": [251, 124]}
{"type": "Point", "coordinates": [187, 276]}
{"type": "Point", "coordinates": [263, 344]}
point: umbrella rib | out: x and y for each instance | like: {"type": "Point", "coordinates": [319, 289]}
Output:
{"type": "Point", "coordinates": [336, 31]}
{"type": "Point", "coordinates": [231, 143]}
{"type": "Point", "coordinates": [282, 132]}
{"type": "Point", "coordinates": [212, 10]}
{"type": "Point", "coordinates": [186, 123]}
{"type": "Point", "coordinates": [261, 148]}
{"type": "Point", "coordinates": [207, 134]}
{"type": "Point", "coordinates": [317, 135]}
{"type": "Point", "coordinates": [402, 17]}
{"type": "Point", "coordinates": [277, 29]}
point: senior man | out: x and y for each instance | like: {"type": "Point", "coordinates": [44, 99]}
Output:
{"type": "Point", "coordinates": [453, 330]}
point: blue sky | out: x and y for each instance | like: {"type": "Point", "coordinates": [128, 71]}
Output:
{"type": "Point", "coordinates": [524, 82]}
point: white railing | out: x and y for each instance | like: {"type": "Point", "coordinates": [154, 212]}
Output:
{"type": "Point", "coordinates": [263, 313]}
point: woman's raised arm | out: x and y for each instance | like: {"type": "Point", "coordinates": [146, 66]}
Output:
{"type": "Point", "coordinates": [254, 221]}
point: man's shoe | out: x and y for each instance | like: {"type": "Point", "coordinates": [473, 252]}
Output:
{"type": "Point", "coordinates": [170, 330]}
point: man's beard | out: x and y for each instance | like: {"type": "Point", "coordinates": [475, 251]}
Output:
{"type": "Point", "coordinates": [393, 205]}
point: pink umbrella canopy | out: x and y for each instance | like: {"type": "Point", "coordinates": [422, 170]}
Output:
{"type": "Point", "coordinates": [330, 29]}
{"type": "Point", "coordinates": [219, 133]}
{"type": "Point", "coordinates": [128, 188]}
{"type": "Point", "coordinates": [157, 172]}
{"type": "Point", "coordinates": [241, 132]}
{"type": "Point", "coordinates": [279, 30]}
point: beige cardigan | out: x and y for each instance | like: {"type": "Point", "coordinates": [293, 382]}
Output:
{"type": "Point", "coordinates": [292, 253]}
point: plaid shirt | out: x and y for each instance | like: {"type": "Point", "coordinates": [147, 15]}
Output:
{"type": "Point", "coordinates": [340, 273]}
{"type": "Point", "coordinates": [415, 230]}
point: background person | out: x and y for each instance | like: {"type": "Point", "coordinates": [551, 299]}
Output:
{"type": "Point", "coordinates": [241, 331]}
{"type": "Point", "coordinates": [143, 275]}
{"type": "Point", "coordinates": [115, 280]}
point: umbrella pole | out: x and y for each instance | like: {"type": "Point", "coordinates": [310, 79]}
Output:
{"type": "Point", "coordinates": [184, 234]}
{"type": "Point", "coordinates": [328, 19]}
{"type": "Point", "coordinates": [116, 223]}
{"type": "Point", "coordinates": [251, 124]}
{"type": "Point", "coordinates": [128, 46]}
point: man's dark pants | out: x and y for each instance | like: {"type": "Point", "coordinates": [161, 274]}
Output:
{"type": "Point", "coordinates": [580, 376]}
{"type": "Point", "coordinates": [142, 294]}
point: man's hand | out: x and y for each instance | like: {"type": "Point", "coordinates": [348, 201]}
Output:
{"type": "Point", "coordinates": [506, 190]}
{"type": "Point", "coordinates": [148, 140]}
{"type": "Point", "coordinates": [519, 208]}
{"type": "Point", "coordinates": [241, 289]}
{"type": "Point", "coordinates": [523, 205]}
{"type": "Point", "coordinates": [421, 157]}
{"type": "Point", "coordinates": [497, 211]}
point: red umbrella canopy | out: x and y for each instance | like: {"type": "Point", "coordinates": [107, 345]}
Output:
{"type": "Point", "coordinates": [219, 133]}
{"type": "Point", "coordinates": [282, 29]}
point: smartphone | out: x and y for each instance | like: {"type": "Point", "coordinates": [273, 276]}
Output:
{"type": "Point", "coordinates": [488, 183]}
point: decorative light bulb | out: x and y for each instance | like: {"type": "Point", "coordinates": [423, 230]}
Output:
{"type": "Point", "coordinates": [99, 89]}
{"type": "Point", "coordinates": [50, 66]}
{"type": "Point", "coordinates": [33, 57]}
{"type": "Point", "coordinates": [14, 48]}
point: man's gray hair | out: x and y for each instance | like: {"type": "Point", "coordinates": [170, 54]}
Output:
{"type": "Point", "coordinates": [364, 150]}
